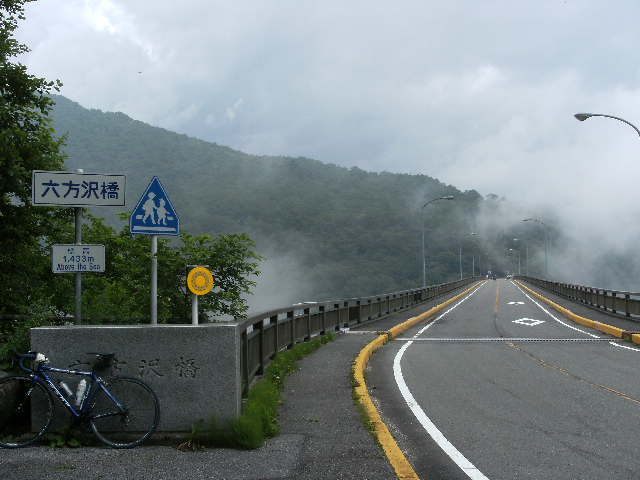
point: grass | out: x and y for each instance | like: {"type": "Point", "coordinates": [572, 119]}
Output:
{"type": "Point", "coordinates": [259, 418]}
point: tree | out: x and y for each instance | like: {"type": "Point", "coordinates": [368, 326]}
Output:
{"type": "Point", "coordinates": [27, 143]}
{"type": "Point", "coordinates": [121, 294]}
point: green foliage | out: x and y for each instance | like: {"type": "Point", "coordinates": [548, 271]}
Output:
{"type": "Point", "coordinates": [121, 294]}
{"type": "Point", "coordinates": [27, 143]}
{"type": "Point", "coordinates": [39, 314]}
{"type": "Point", "coordinates": [68, 437]}
{"type": "Point", "coordinates": [259, 419]}
{"type": "Point", "coordinates": [351, 232]}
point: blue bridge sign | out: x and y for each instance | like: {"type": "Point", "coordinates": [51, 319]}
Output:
{"type": "Point", "coordinates": [154, 214]}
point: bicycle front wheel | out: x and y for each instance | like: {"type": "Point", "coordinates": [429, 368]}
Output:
{"type": "Point", "coordinates": [125, 416]}
{"type": "Point", "coordinates": [26, 410]}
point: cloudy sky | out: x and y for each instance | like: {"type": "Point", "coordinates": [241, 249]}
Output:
{"type": "Point", "coordinates": [477, 94]}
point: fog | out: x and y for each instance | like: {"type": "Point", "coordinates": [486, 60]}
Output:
{"type": "Point", "coordinates": [283, 281]}
{"type": "Point", "coordinates": [480, 95]}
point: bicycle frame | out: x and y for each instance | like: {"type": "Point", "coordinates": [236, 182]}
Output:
{"type": "Point", "coordinates": [89, 395]}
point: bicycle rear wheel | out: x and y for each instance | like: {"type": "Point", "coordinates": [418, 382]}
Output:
{"type": "Point", "coordinates": [26, 411]}
{"type": "Point", "coordinates": [131, 420]}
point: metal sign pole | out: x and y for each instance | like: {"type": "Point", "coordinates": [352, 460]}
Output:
{"type": "Point", "coordinates": [194, 309]}
{"type": "Point", "coordinates": [154, 279]}
{"type": "Point", "coordinates": [78, 218]}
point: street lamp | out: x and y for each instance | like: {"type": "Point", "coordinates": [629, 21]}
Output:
{"type": "Point", "coordinates": [526, 256]}
{"type": "Point", "coordinates": [512, 262]}
{"type": "Point", "coordinates": [473, 258]}
{"type": "Point", "coordinates": [583, 116]}
{"type": "Point", "coordinates": [424, 262]}
{"type": "Point", "coordinates": [519, 269]}
{"type": "Point", "coordinates": [546, 241]}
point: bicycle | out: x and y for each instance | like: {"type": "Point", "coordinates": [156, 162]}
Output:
{"type": "Point", "coordinates": [123, 412]}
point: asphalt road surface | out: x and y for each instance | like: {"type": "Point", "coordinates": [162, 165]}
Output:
{"type": "Point", "coordinates": [500, 386]}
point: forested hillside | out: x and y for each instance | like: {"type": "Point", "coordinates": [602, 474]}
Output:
{"type": "Point", "coordinates": [347, 232]}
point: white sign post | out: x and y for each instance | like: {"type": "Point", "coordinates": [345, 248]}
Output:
{"type": "Point", "coordinates": [77, 189]}
{"type": "Point", "coordinates": [72, 258]}
{"type": "Point", "coordinates": [154, 215]}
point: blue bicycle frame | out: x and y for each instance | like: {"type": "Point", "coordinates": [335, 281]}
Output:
{"type": "Point", "coordinates": [89, 395]}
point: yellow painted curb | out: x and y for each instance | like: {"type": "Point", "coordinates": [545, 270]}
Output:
{"type": "Point", "coordinates": [402, 466]}
{"type": "Point", "coordinates": [602, 327]}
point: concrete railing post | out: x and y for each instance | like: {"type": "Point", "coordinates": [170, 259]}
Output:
{"type": "Point", "coordinates": [261, 346]}
{"type": "Point", "coordinates": [307, 314]}
{"type": "Point", "coordinates": [292, 328]}
{"type": "Point", "coordinates": [322, 319]}
{"type": "Point", "coordinates": [627, 312]}
{"type": "Point", "coordinates": [276, 334]}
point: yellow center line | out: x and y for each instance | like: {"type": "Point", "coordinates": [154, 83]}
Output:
{"type": "Point", "coordinates": [566, 372]}
{"type": "Point", "coordinates": [497, 309]}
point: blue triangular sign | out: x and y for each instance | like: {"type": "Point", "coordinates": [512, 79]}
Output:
{"type": "Point", "coordinates": [154, 214]}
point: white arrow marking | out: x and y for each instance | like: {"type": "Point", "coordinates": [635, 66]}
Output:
{"type": "Point", "coordinates": [529, 322]}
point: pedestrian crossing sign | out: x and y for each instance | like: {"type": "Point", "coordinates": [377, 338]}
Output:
{"type": "Point", "coordinates": [154, 214]}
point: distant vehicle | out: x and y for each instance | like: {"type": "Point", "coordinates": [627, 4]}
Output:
{"type": "Point", "coordinates": [493, 276]}
{"type": "Point", "coordinates": [509, 276]}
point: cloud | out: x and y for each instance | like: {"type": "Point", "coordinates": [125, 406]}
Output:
{"type": "Point", "coordinates": [232, 111]}
{"type": "Point", "coordinates": [477, 94]}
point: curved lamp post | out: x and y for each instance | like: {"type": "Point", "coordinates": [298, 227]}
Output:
{"type": "Point", "coordinates": [546, 241]}
{"type": "Point", "coordinates": [424, 262]}
{"type": "Point", "coordinates": [513, 262]}
{"type": "Point", "coordinates": [516, 241]}
{"type": "Point", "coordinates": [583, 116]}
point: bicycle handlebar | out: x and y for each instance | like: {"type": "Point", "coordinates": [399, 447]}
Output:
{"type": "Point", "coordinates": [24, 356]}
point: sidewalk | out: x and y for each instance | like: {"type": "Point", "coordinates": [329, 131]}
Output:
{"type": "Point", "coordinates": [322, 437]}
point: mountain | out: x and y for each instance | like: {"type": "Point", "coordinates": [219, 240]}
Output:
{"type": "Point", "coordinates": [327, 231]}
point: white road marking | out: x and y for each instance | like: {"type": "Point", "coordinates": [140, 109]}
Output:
{"type": "Point", "coordinates": [529, 322]}
{"type": "Point", "coordinates": [571, 327]}
{"type": "Point", "coordinates": [549, 313]}
{"type": "Point", "coordinates": [455, 455]}
{"type": "Point", "coordinates": [515, 303]}
{"type": "Point", "coordinates": [624, 346]}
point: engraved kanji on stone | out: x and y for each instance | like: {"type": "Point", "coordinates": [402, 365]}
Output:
{"type": "Point", "coordinates": [186, 367]}
{"type": "Point", "coordinates": [148, 367]}
{"type": "Point", "coordinates": [118, 365]}
{"type": "Point", "coordinates": [76, 364]}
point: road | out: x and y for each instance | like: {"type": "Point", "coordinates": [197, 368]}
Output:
{"type": "Point", "coordinates": [501, 387]}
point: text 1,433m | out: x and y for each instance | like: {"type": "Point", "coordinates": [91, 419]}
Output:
{"type": "Point", "coordinates": [69, 258]}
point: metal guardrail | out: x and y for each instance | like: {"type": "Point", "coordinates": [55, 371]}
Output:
{"type": "Point", "coordinates": [626, 304]}
{"type": "Point", "coordinates": [265, 334]}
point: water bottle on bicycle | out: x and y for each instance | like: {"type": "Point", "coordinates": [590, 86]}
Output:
{"type": "Point", "coordinates": [122, 411]}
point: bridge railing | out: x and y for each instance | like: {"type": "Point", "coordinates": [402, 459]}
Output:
{"type": "Point", "coordinates": [616, 302]}
{"type": "Point", "coordinates": [265, 334]}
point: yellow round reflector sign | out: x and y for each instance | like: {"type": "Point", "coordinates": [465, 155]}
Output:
{"type": "Point", "coordinates": [200, 281]}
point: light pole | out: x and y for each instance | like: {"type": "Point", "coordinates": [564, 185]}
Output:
{"type": "Point", "coordinates": [516, 240]}
{"type": "Point", "coordinates": [473, 258]}
{"type": "Point", "coordinates": [526, 258]}
{"type": "Point", "coordinates": [546, 241]}
{"type": "Point", "coordinates": [518, 252]}
{"type": "Point", "coordinates": [424, 261]}
{"type": "Point", "coordinates": [583, 116]}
